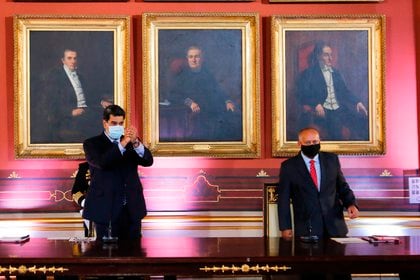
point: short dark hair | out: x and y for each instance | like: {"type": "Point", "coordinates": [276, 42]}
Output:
{"type": "Point", "coordinates": [68, 50]}
{"type": "Point", "coordinates": [318, 50]}
{"type": "Point", "coordinates": [114, 110]}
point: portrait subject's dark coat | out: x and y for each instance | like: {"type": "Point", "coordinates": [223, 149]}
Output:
{"type": "Point", "coordinates": [320, 210]}
{"type": "Point", "coordinates": [311, 90]}
{"type": "Point", "coordinates": [59, 99]}
{"type": "Point", "coordinates": [213, 122]}
{"type": "Point", "coordinates": [113, 177]}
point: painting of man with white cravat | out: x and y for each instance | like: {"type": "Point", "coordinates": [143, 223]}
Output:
{"type": "Point", "coordinates": [70, 72]}
{"type": "Point", "coordinates": [65, 104]}
{"type": "Point", "coordinates": [325, 100]}
{"type": "Point", "coordinates": [66, 96]}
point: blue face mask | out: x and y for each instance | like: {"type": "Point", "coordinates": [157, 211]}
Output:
{"type": "Point", "coordinates": [116, 131]}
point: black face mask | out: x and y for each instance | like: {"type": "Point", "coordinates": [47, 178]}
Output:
{"type": "Point", "coordinates": [311, 150]}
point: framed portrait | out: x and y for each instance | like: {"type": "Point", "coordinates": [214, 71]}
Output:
{"type": "Point", "coordinates": [201, 84]}
{"type": "Point", "coordinates": [328, 73]}
{"type": "Point", "coordinates": [67, 69]}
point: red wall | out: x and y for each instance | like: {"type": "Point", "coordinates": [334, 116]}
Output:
{"type": "Point", "coordinates": [400, 79]}
{"type": "Point", "coordinates": [416, 6]}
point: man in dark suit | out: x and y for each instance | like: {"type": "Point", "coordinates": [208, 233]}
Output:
{"type": "Point", "coordinates": [115, 197]}
{"type": "Point", "coordinates": [318, 201]}
{"type": "Point", "coordinates": [326, 102]}
{"type": "Point", "coordinates": [314, 183]}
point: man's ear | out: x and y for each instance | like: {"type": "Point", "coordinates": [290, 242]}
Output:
{"type": "Point", "coordinates": [104, 123]}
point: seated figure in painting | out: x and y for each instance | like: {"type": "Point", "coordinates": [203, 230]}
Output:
{"type": "Point", "coordinates": [209, 114]}
{"type": "Point", "coordinates": [326, 102]}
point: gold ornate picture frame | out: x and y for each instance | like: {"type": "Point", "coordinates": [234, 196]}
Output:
{"type": "Point", "coordinates": [51, 120]}
{"type": "Point", "coordinates": [199, 0]}
{"type": "Point", "coordinates": [349, 110]}
{"type": "Point", "coordinates": [321, 1]}
{"type": "Point", "coordinates": [66, 1]}
{"type": "Point", "coordinates": [201, 84]}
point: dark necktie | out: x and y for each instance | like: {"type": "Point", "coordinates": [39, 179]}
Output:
{"type": "Point", "coordinates": [312, 170]}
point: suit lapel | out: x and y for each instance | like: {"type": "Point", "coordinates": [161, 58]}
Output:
{"type": "Point", "coordinates": [105, 140]}
{"type": "Point", "coordinates": [323, 168]}
{"type": "Point", "coordinates": [320, 77]}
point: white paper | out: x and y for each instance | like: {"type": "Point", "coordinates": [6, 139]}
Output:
{"type": "Point", "coordinates": [348, 240]}
{"type": "Point", "coordinates": [14, 239]}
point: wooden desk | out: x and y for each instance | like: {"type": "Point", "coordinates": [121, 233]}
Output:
{"type": "Point", "coordinates": [207, 256]}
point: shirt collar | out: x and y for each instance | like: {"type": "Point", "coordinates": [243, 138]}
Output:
{"type": "Point", "coordinates": [326, 68]}
{"type": "Point", "coordinates": [68, 71]}
{"type": "Point", "coordinates": [110, 139]}
{"type": "Point", "coordinates": [307, 159]}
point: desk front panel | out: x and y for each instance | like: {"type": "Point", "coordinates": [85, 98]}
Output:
{"type": "Point", "coordinates": [206, 256]}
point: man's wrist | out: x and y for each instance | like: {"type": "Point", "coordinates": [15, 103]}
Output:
{"type": "Point", "coordinates": [137, 143]}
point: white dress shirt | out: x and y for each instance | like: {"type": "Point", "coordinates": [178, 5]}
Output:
{"type": "Point", "coordinates": [77, 85]}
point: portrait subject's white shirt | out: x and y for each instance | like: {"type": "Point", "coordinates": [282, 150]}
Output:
{"type": "Point", "coordinates": [330, 102]}
{"type": "Point", "coordinates": [77, 85]}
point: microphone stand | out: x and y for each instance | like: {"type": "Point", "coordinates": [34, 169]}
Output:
{"type": "Point", "coordinates": [310, 238]}
{"type": "Point", "coordinates": [109, 238]}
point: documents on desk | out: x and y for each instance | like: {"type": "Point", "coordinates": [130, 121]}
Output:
{"type": "Point", "coordinates": [14, 239]}
{"type": "Point", "coordinates": [82, 239]}
{"type": "Point", "coordinates": [375, 239]}
{"type": "Point", "coordinates": [349, 240]}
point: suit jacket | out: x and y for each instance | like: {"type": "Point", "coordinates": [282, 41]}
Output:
{"type": "Point", "coordinates": [58, 101]}
{"type": "Point", "coordinates": [321, 210]}
{"type": "Point", "coordinates": [113, 177]}
{"type": "Point", "coordinates": [60, 95]}
{"type": "Point", "coordinates": [312, 88]}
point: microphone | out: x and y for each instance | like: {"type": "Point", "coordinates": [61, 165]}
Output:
{"type": "Point", "coordinates": [310, 238]}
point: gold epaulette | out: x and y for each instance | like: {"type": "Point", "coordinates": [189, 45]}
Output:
{"type": "Point", "coordinates": [77, 196]}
